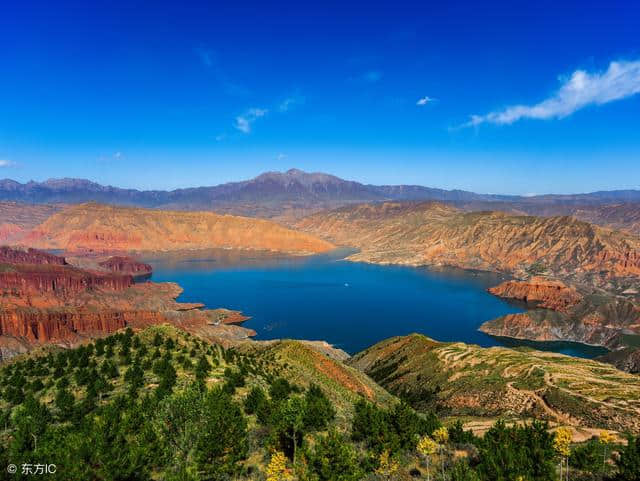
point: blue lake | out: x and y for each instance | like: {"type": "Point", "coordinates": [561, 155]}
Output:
{"type": "Point", "coordinates": [348, 304]}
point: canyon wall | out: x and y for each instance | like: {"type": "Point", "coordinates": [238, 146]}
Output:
{"type": "Point", "coordinates": [11, 255]}
{"type": "Point", "coordinates": [48, 301]}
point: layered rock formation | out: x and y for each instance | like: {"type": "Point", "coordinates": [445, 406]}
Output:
{"type": "Point", "coordinates": [562, 313]}
{"type": "Point", "coordinates": [435, 234]}
{"type": "Point", "coordinates": [49, 301]}
{"type": "Point", "coordinates": [545, 293]}
{"type": "Point", "coordinates": [35, 278]}
{"type": "Point", "coordinates": [465, 380]}
{"type": "Point", "coordinates": [101, 228]}
{"type": "Point", "coordinates": [126, 265]}
{"type": "Point", "coordinates": [11, 255]}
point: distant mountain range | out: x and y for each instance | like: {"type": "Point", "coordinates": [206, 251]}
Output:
{"type": "Point", "coordinates": [293, 192]}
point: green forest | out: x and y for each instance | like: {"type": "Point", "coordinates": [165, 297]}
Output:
{"type": "Point", "coordinates": [163, 404]}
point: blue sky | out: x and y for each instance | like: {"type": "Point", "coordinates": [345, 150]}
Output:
{"type": "Point", "coordinates": [504, 97]}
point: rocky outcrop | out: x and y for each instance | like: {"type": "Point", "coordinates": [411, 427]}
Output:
{"type": "Point", "coordinates": [545, 293]}
{"type": "Point", "coordinates": [102, 228]}
{"type": "Point", "coordinates": [11, 255]}
{"type": "Point", "coordinates": [38, 280]}
{"type": "Point", "coordinates": [561, 313]}
{"type": "Point", "coordinates": [626, 359]}
{"type": "Point", "coordinates": [42, 326]}
{"type": "Point", "coordinates": [126, 265]}
{"type": "Point", "coordinates": [597, 320]}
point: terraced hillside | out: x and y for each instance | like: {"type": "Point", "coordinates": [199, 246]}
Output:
{"type": "Point", "coordinates": [466, 380]}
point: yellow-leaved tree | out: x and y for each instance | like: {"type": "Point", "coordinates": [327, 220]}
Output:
{"type": "Point", "coordinates": [441, 435]}
{"type": "Point", "coordinates": [387, 467]}
{"type": "Point", "coordinates": [427, 448]}
{"type": "Point", "coordinates": [277, 468]}
{"type": "Point", "coordinates": [561, 443]}
{"type": "Point", "coordinates": [606, 438]}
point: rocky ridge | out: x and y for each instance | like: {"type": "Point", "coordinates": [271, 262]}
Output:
{"type": "Point", "coordinates": [102, 228]}
{"type": "Point", "coordinates": [436, 234]}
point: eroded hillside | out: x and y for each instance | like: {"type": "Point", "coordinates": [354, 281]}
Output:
{"type": "Point", "coordinates": [95, 227]}
{"type": "Point", "coordinates": [435, 234]}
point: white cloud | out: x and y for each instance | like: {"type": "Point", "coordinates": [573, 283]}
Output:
{"type": "Point", "coordinates": [291, 102]}
{"type": "Point", "coordinates": [117, 155]}
{"type": "Point", "coordinates": [620, 80]}
{"type": "Point", "coordinates": [424, 100]}
{"type": "Point", "coordinates": [281, 156]}
{"type": "Point", "coordinates": [244, 122]}
{"type": "Point", "coordinates": [7, 163]}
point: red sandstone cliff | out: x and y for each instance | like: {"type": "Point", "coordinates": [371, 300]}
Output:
{"type": "Point", "coordinates": [596, 318]}
{"type": "Point", "coordinates": [11, 255]}
{"type": "Point", "coordinates": [63, 304]}
{"type": "Point", "coordinates": [37, 280]}
{"type": "Point", "coordinates": [545, 293]}
{"type": "Point", "coordinates": [126, 265]}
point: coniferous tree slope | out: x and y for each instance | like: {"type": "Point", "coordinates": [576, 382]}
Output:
{"type": "Point", "coordinates": [164, 404]}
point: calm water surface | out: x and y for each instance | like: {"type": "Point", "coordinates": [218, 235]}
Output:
{"type": "Point", "coordinates": [351, 305]}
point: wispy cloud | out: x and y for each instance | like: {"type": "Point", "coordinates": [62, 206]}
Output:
{"type": "Point", "coordinates": [244, 122]}
{"type": "Point", "coordinates": [281, 156]}
{"type": "Point", "coordinates": [581, 89]}
{"type": "Point", "coordinates": [118, 155]}
{"type": "Point", "coordinates": [424, 100]}
{"type": "Point", "coordinates": [7, 163]}
{"type": "Point", "coordinates": [290, 102]}
{"type": "Point", "coordinates": [209, 60]}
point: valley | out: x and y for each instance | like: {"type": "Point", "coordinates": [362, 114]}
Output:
{"type": "Point", "coordinates": [234, 290]}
